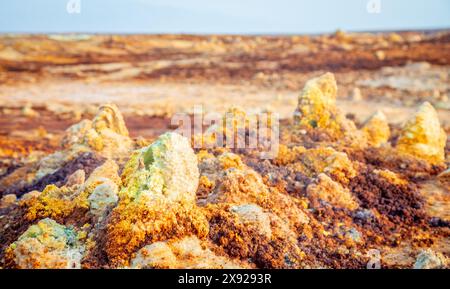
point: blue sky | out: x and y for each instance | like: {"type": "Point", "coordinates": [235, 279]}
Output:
{"type": "Point", "coordinates": [225, 16]}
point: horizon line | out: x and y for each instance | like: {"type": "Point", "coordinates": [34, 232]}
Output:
{"type": "Point", "coordinates": [381, 31]}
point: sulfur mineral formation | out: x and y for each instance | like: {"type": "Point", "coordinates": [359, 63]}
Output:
{"type": "Point", "coordinates": [235, 183]}
{"type": "Point", "coordinates": [252, 215]}
{"type": "Point", "coordinates": [187, 253]}
{"type": "Point", "coordinates": [61, 203]}
{"type": "Point", "coordinates": [157, 200]}
{"type": "Point", "coordinates": [313, 162]}
{"type": "Point", "coordinates": [325, 189]}
{"type": "Point", "coordinates": [46, 245]}
{"type": "Point", "coordinates": [423, 137]}
{"type": "Point", "coordinates": [83, 145]}
{"type": "Point", "coordinates": [166, 168]}
{"type": "Point", "coordinates": [316, 103]}
{"type": "Point", "coordinates": [377, 129]}
{"type": "Point", "coordinates": [105, 134]}
{"type": "Point", "coordinates": [317, 109]}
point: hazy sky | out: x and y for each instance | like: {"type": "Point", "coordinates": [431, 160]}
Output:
{"type": "Point", "coordinates": [221, 16]}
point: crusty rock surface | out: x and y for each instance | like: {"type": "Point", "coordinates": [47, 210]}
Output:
{"type": "Point", "coordinates": [428, 259]}
{"type": "Point", "coordinates": [422, 135]}
{"type": "Point", "coordinates": [325, 189]}
{"type": "Point", "coordinates": [187, 253]}
{"type": "Point", "coordinates": [76, 179]}
{"type": "Point", "coordinates": [167, 168]}
{"type": "Point", "coordinates": [317, 109]}
{"type": "Point", "coordinates": [157, 199]}
{"type": "Point", "coordinates": [316, 103]}
{"type": "Point", "coordinates": [104, 137]}
{"type": "Point", "coordinates": [7, 201]}
{"type": "Point", "coordinates": [235, 183]}
{"type": "Point", "coordinates": [253, 216]}
{"type": "Point", "coordinates": [105, 134]}
{"type": "Point", "coordinates": [377, 129]}
{"type": "Point", "coordinates": [46, 245]}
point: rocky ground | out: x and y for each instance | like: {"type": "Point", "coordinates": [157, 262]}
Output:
{"type": "Point", "coordinates": [360, 177]}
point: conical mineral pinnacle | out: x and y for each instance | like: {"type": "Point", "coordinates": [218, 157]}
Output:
{"type": "Point", "coordinates": [422, 135]}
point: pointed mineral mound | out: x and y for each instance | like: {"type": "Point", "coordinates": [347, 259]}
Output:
{"type": "Point", "coordinates": [422, 136]}
{"type": "Point", "coordinates": [109, 117]}
{"type": "Point", "coordinates": [316, 103]}
{"type": "Point", "coordinates": [167, 168]}
{"type": "Point", "coordinates": [105, 134]}
{"type": "Point", "coordinates": [317, 110]}
{"type": "Point", "coordinates": [157, 200]}
{"type": "Point", "coordinates": [377, 129]}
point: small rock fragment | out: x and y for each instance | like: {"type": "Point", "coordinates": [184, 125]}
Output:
{"type": "Point", "coordinates": [428, 259]}
{"type": "Point", "coordinates": [380, 55]}
{"type": "Point", "coordinates": [102, 198]}
{"type": "Point", "coordinates": [354, 235]}
{"type": "Point", "coordinates": [110, 118]}
{"type": "Point", "coordinates": [156, 255]}
{"type": "Point", "coordinates": [76, 179]}
{"type": "Point", "coordinates": [7, 200]}
{"type": "Point", "coordinates": [28, 111]}
{"type": "Point", "coordinates": [395, 37]}
{"type": "Point", "coordinates": [324, 188]}
{"type": "Point", "coordinates": [253, 216]}
{"type": "Point", "coordinates": [356, 94]}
